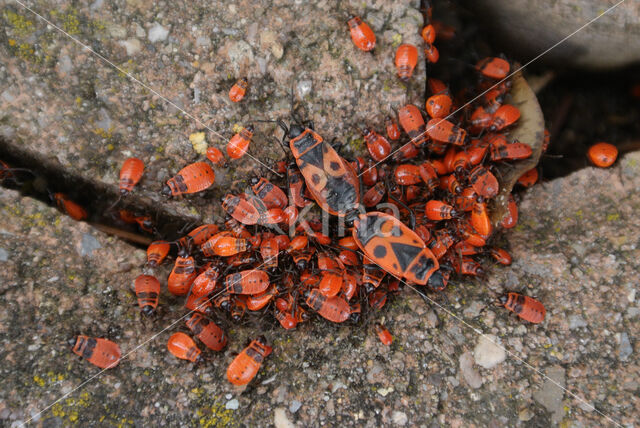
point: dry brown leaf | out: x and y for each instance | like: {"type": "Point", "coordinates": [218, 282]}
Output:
{"type": "Point", "coordinates": [529, 130]}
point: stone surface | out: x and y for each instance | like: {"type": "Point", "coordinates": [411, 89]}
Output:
{"type": "Point", "coordinates": [611, 41]}
{"type": "Point", "coordinates": [489, 352]}
{"type": "Point", "coordinates": [470, 375]}
{"type": "Point", "coordinates": [319, 374]}
{"type": "Point", "coordinates": [82, 115]}
{"type": "Point", "coordinates": [575, 249]}
{"type": "Point", "coordinates": [552, 392]}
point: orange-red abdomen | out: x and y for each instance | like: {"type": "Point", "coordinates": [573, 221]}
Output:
{"type": "Point", "coordinates": [378, 146]}
{"type": "Point", "coordinates": [334, 309]}
{"type": "Point", "coordinates": [156, 252]}
{"type": "Point", "coordinates": [527, 308]}
{"type": "Point", "coordinates": [247, 363]}
{"type": "Point", "coordinates": [191, 179]}
{"type": "Point", "coordinates": [216, 157]}
{"type": "Point", "coordinates": [602, 155]}
{"type": "Point", "coordinates": [439, 105]}
{"type": "Point", "coordinates": [69, 207]}
{"type": "Point", "coordinates": [251, 281]}
{"type": "Point", "coordinates": [483, 182]}
{"type": "Point", "coordinates": [182, 276]}
{"type": "Point", "coordinates": [446, 132]}
{"type": "Point", "coordinates": [361, 34]}
{"type": "Point", "coordinates": [238, 145]}
{"type": "Point", "coordinates": [493, 68]}
{"type": "Point", "coordinates": [393, 132]}
{"type": "Point", "coordinates": [130, 173]}
{"type": "Point", "coordinates": [208, 332]}
{"type": "Point", "coordinates": [407, 174]}
{"type": "Point", "coordinates": [147, 291]}
{"type": "Point", "coordinates": [238, 90]}
{"type": "Point", "coordinates": [99, 352]}
{"type": "Point", "coordinates": [406, 61]}
{"type": "Point", "coordinates": [383, 334]}
{"type": "Point", "coordinates": [412, 122]}
{"type": "Point", "coordinates": [183, 347]}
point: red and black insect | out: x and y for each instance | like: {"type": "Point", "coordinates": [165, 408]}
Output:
{"type": "Point", "coordinates": [438, 105]}
{"type": "Point", "coordinates": [183, 347]}
{"type": "Point", "coordinates": [216, 157]}
{"type": "Point", "coordinates": [240, 209]}
{"type": "Point", "coordinates": [330, 179]}
{"type": "Point", "coordinates": [238, 145]}
{"type": "Point", "coordinates": [191, 179]}
{"type": "Point", "coordinates": [238, 90]}
{"type": "Point", "coordinates": [378, 146]}
{"type": "Point", "coordinates": [147, 291]}
{"type": "Point", "coordinates": [251, 282]}
{"type": "Point", "coordinates": [156, 252]}
{"type": "Point", "coordinates": [69, 207]}
{"type": "Point", "coordinates": [335, 309]}
{"type": "Point", "coordinates": [394, 247]}
{"type": "Point", "coordinates": [383, 334]}
{"type": "Point", "coordinates": [483, 182]}
{"type": "Point", "coordinates": [246, 364]}
{"type": "Point", "coordinates": [270, 195]}
{"type": "Point", "coordinates": [406, 61]}
{"type": "Point", "coordinates": [393, 132]}
{"type": "Point", "coordinates": [493, 68]}
{"type": "Point", "coordinates": [527, 308]}
{"type": "Point", "coordinates": [446, 132]}
{"type": "Point", "coordinates": [208, 332]}
{"type": "Point", "coordinates": [99, 352]}
{"type": "Point", "coordinates": [602, 155]}
{"type": "Point", "coordinates": [182, 274]}
{"type": "Point", "coordinates": [130, 173]}
{"type": "Point", "coordinates": [361, 34]}
{"type": "Point", "coordinates": [206, 282]}
{"type": "Point", "coordinates": [412, 122]}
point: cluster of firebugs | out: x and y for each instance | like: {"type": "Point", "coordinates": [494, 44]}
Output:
{"type": "Point", "coordinates": [440, 180]}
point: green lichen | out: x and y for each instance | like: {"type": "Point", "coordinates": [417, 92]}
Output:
{"type": "Point", "coordinates": [216, 415]}
{"type": "Point", "coordinates": [20, 25]}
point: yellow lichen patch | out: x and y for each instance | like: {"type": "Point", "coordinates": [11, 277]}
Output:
{"type": "Point", "coordinates": [237, 128]}
{"type": "Point", "coordinates": [70, 22]}
{"type": "Point", "coordinates": [396, 40]}
{"type": "Point", "coordinates": [20, 25]}
{"type": "Point", "coordinates": [106, 134]}
{"type": "Point", "coordinates": [39, 381]}
{"type": "Point", "coordinates": [198, 142]}
{"type": "Point", "coordinates": [217, 416]}
{"type": "Point", "coordinates": [613, 217]}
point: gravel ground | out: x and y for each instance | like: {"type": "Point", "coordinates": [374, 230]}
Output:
{"type": "Point", "coordinates": [581, 263]}
{"type": "Point", "coordinates": [72, 111]}
{"type": "Point", "coordinates": [68, 110]}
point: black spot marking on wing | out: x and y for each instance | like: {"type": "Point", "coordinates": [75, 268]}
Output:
{"type": "Point", "coordinates": [405, 254]}
{"type": "Point", "coordinates": [380, 251]}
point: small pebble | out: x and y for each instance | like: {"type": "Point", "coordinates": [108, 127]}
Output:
{"type": "Point", "coordinates": [158, 33]}
{"type": "Point", "coordinates": [625, 347]}
{"type": "Point", "coordinates": [488, 353]}
{"type": "Point", "coordinates": [232, 404]}
{"type": "Point", "coordinates": [295, 406]}
{"type": "Point", "coordinates": [280, 419]}
{"type": "Point", "coordinates": [399, 418]}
